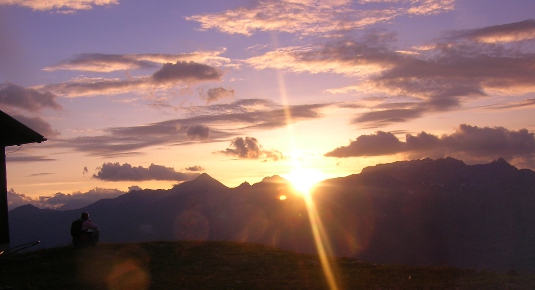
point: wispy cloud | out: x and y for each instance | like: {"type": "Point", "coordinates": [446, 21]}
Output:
{"type": "Point", "coordinates": [510, 32]}
{"type": "Point", "coordinates": [215, 94]}
{"type": "Point", "coordinates": [126, 172]}
{"type": "Point", "coordinates": [200, 125]}
{"type": "Point", "coordinates": [427, 7]}
{"type": "Point", "coordinates": [443, 77]}
{"type": "Point", "coordinates": [469, 143]}
{"type": "Point", "coordinates": [167, 76]}
{"type": "Point", "coordinates": [328, 18]}
{"type": "Point", "coordinates": [18, 157]}
{"type": "Point", "coordinates": [60, 5]}
{"type": "Point", "coordinates": [512, 105]}
{"type": "Point", "coordinates": [362, 57]}
{"type": "Point", "coordinates": [99, 62]}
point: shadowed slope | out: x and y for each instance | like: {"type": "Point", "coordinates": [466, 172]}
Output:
{"type": "Point", "coordinates": [223, 265]}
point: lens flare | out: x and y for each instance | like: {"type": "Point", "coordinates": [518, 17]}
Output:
{"type": "Point", "coordinates": [322, 243]}
{"type": "Point", "coordinates": [303, 180]}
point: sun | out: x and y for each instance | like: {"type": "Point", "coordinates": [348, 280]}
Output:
{"type": "Point", "coordinates": [304, 179]}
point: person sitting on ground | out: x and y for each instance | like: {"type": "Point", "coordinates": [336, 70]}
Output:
{"type": "Point", "coordinates": [90, 228]}
{"type": "Point", "coordinates": [84, 232]}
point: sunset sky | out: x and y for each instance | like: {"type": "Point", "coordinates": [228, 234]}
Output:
{"type": "Point", "coordinates": [147, 94]}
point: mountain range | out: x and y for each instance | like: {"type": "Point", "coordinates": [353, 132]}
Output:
{"type": "Point", "coordinates": [422, 212]}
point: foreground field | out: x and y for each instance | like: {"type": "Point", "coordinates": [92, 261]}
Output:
{"type": "Point", "coordinates": [224, 265]}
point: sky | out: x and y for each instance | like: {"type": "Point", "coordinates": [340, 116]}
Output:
{"type": "Point", "coordinates": [135, 94]}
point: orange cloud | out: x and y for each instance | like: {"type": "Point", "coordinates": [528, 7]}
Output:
{"type": "Point", "coordinates": [308, 17]}
{"type": "Point", "coordinates": [64, 5]}
{"type": "Point", "coordinates": [98, 62]}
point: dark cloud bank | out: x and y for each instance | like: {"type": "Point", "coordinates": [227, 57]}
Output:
{"type": "Point", "coordinates": [469, 143]}
{"type": "Point", "coordinates": [127, 172]}
{"type": "Point", "coordinates": [24, 104]}
{"type": "Point", "coordinates": [27, 99]}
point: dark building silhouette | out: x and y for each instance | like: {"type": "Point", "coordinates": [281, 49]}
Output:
{"type": "Point", "coordinates": [12, 132]}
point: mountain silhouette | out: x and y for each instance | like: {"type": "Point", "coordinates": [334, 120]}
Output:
{"type": "Point", "coordinates": [421, 212]}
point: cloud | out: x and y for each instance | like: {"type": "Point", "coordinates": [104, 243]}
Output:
{"type": "Point", "coordinates": [215, 94]}
{"type": "Point", "coordinates": [238, 107]}
{"type": "Point", "coordinates": [195, 168]}
{"type": "Point", "coordinates": [98, 62]}
{"type": "Point", "coordinates": [10, 157]}
{"type": "Point", "coordinates": [230, 120]}
{"type": "Point", "coordinates": [427, 7]}
{"type": "Point", "coordinates": [510, 32]}
{"type": "Point", "coordinates": [327, 18]}
{"type": "Point", "coordinates": [37, 124]}
{"type": "Point", "coordinates": [469, 143]}
{"type": "Point", "coordinates": [134, 187]}
{"type": "Point", "coordinates": [443, 77]}
{"type": "Point", "coordinates": [249, 148]}
{"type": "Point", "coordinates": [84, 87]}
{"type": "Point", "coordinates": [27, 99]}
{"type": "Point", "coordinates": [127, 172]}
{"type": "Point", "coordinates": [368, 55]}
{"type": "Point", "coordinates": [167, 76]}
{"type": "Point", "coordinates": [386, 117]}
{"type": "Point", "coordinates": [198, 132]}
{"type": "Point", "coordinates": [77, 199]}
{"type": "Point", "coordinates": [41, 174]}
{"type": "Point", "coordinates": [62, 201]}
{"type": "Point", "coordinates": [15, 200]}
{"type": "Point", "coordinates": [513, 105]}
{"type": "Point", "coordinates": [186, 71]}
{"type": "Point", "coordinates": [62, 5]}
{"type": "Point", "coordinates": [381, 143]}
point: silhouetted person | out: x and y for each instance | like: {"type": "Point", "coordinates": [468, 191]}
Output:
{"type": "Point", "coordinates": [84, 232]}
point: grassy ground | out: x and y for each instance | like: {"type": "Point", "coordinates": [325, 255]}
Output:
{"type": "Point", "coordinates": [223, 265]}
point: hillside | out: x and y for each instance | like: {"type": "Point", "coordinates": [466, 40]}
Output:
{"type": "Point", "coordinates": [224, 265]}
{"type": "Point", "coordinates": [423, 212]}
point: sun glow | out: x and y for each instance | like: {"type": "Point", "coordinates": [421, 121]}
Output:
{"type": "Point", "coordinates": [304, 179]}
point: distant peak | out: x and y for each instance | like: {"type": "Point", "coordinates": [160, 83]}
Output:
{"type": "Point", "coordinates": [205, 180]}
{"type": "Point", "coordinates": [274, 179]}
{"type": "Point", "coordinates": [244, 185]}
{"type": "Point", "coordinates": [28, 206]}
{"type": "Point", "coordinates": [501, 162]}
{"type": "Point", "coordinates": [204, 176]}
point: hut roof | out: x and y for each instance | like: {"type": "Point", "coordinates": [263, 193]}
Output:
{"type": "Point", "coordinates": [13, 132]}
